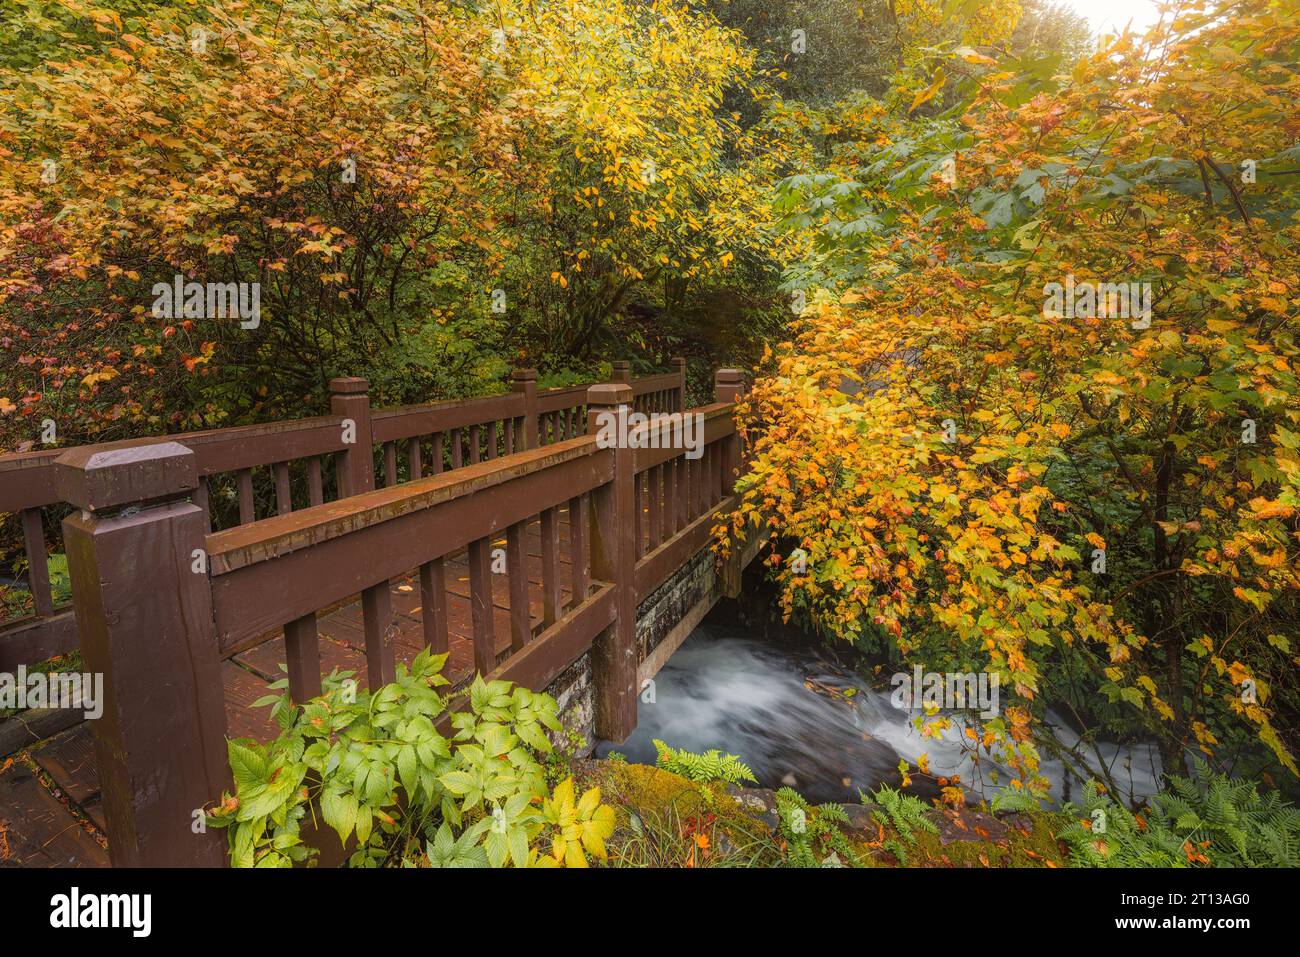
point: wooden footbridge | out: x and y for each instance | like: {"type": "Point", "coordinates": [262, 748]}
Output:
{"type": "Point", "coordinates": [202, 566]}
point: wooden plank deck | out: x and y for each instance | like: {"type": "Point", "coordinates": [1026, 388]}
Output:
{"type": "Point", "coordinates": [50, 810]}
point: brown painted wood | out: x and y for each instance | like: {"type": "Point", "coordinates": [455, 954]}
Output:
{"type": "Point", "coordinates": [579, 552]}
{"type": "Point", "coordinates": [302, 648]}
{"type": "Point", "coordinates": [377, 612]}
{"type": "Point", "coordinates": [35, 724]}
{"type": "Point", "coordinates": [433, 605]}
{"type": "Point", "coordinates": [658, 566]}
{"type": "Point", "coordinates": [133, 635]}
{"type": "Point", "coordinates": [69, 759]}
{"type": "Point", "coordinates": [414, 467]}
{"type": "Point", "coordinates": [613, 513]}
{"type": "Point", "coordinates": [438, 464]}
{"type": "Point", "coordinates": [457, 456]}
{"type": "Point", "coordinates": [550, 555]}
{"type": "Point", "coordinates": [38, 830]}
{"type": "Point", "coordinates": [560, 645]}
{"type": "Point", "coordinates": [350, 400]}
{"type": "Point", "coordinates": [38, 569]}
{"type": "Point", "coordinates": [521, 624]}
{"type": "Point", "coordinates": [475, 439]}
{"type": "Point", "coordinates": [481, 601]}
{"type": "Point", "coordinates": [408, 421]}
{"type": "Point", "coordinates": [654, 484]}
{"type": "Point", "coordinates": [315, 483]}
{"type": "Point", "coordinates": [283, 489]}
{"type": "Point", "coordinates": [202, 500]}
{"type": "Point", "coordinates": [390, 464]}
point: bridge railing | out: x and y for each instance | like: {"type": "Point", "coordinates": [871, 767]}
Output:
{"type": "Point", "coordinates": [161, 600]}
{"type": "Point", "coordinates": [252, 472]}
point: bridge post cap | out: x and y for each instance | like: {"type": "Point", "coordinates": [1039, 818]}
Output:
{"type": "Point", "coordinates": [608, 394]}
{"type": "Point", "coordinates": [729, 377]}
{"type": "Point", "coordinates": [349, 385]}
{"type": "Point", "coordinates": [524, 375]}
{"type": "Point", "coordinates": [95, 479]}
{"type": "Point", "coordinates": [679, 361]}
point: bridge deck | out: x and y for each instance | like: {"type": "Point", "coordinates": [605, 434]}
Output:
{"type": "Point", "coordinates": [50, 809]}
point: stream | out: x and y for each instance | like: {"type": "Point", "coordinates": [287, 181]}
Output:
{"type": "Point", "coordinates": [782, 710]}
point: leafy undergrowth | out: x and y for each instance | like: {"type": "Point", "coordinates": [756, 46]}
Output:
{"type": "Point", "coordinates": [666, 820]}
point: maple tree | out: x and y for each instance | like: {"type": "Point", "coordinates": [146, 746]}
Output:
{"type": "Point", "coordinates": [953, 458]}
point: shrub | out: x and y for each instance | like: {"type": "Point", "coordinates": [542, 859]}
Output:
{"type": "Point", "coordinates": [376, 768]}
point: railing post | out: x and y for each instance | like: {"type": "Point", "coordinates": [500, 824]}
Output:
{"type": "Point", "coordinates": [525, 381]}
{"type": "Point", "coordinates": [613, 559]}
{"type": "Point", "coordinates": [349, 397]}
{"type": "Point", "coordinates": [622, 371]}
{"type": "Point", "coordinates": [144, 617]}
{"type": "Point", "coordinates": [679, 367]}
{"type": "Point", "coordinates": [729, 386]}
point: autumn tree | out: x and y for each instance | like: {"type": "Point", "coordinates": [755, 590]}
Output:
{"type": "Point", "coordinates": [1098, 503]}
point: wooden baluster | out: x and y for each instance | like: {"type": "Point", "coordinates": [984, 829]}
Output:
{"type": "Point", "coordinates": [702, 481]}
{"type": "Point", "coordinates": [638, 512]}
{"type": "Point", "coordinates": [521, 621]}
{"type": "Point", "coordinates": [302, 647]}
{"type": "Point", "coordinates": [679, 389]}
{"type": "Point", "coordinates": [550, 547]}
{"type": "Point", "coordinates": [481, 605]}
{"type": "Point", "coordinates": [283, 489]}
{"type": "Point", "coordinates": [685, 468]}
{"type": "Point", "coordinates": [433, 601]}
{"type": "Point", "coordinates": [670, 498]}
{"type": "Point", "coordinates": [202, 500]}
{"type": "Point", "coordinates": [654, 481]}
{"type": "Point", "coordinates": [438, 464]}
{"type": "Point", "coordinates": [390, 464]}
{"type": "Point", "coordinates": [38, 567]}
{"type": "Point", "coordinates": [474, 438]}
{"type": "Point", "coordinates": [414, 466]}
{"type": "Point", "coordinates": [492, 440]}
{"type": "Point", "coordinates": [246, 509]}
{"type": "Point", "coordinates": [715, 478]}
{"type": "Point", "coordinates": [377, 621]}
{"type": "Point", "coordinates": [457, 455]}
{"type": "Point", "coordinates": [509, 440]}
{"type": "Point", "coordinates": [578, 557]}
{"type": "Point", "coordinates": [315, 484]}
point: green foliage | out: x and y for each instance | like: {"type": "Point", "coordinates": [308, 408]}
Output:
{"type": "Point", "coordinates": [906, 814]}
{"type": "Point", "coordinates": [712, 765]}
{"type": "Point", "coordinates": [381, 773]}
{"type": "Point", "coordinates": [1208, 820]}
{"type": "Point", "coordinates": [813, 835]}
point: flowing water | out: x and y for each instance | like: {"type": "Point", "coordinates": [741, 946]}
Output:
{"type": "Point", "coordinates": [783, 710]}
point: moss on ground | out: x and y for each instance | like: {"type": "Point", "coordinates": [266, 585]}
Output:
{"type": "Point", "coordinates": [665, 820]}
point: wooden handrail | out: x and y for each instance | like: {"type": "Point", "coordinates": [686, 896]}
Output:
{"type": "Point", "coordinates": [27, 482]}
{"type": "Point", "coordinates": [158, 624]}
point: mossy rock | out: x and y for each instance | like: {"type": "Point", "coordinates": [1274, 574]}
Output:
{"type": "Point", "coordinates": [661, 816]}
